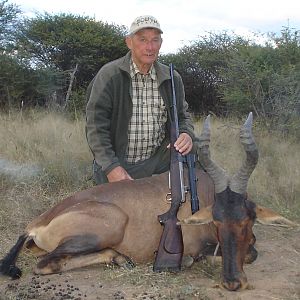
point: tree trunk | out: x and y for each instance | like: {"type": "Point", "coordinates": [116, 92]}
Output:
{"type": "Point", "coordinates": [72, 77]}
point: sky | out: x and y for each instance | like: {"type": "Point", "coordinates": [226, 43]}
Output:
{"type": "Point", "coordinates": [182, 21]}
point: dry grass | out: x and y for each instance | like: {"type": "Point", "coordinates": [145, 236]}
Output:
{"type": "Point", "coordinates": [49, 141]}
{"type": "Point", "coordinates": [41, 136]}
{"type": "Point", "coordinates": [57, 147]}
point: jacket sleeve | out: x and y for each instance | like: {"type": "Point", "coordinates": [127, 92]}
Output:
{"type": "Point", "coordinates": [98, 122]}
{"type": "Point", "coordinates": [184, 117]}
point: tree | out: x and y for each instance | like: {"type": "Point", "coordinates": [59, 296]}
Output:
{"type": "Point", "coordinates": [10, 70]}
{"type": "Point", "coordinates": [8, 19]}
{"type": "Point", "coordinates": [200, 66]}
{"type": "Point", "coordinates": [265, 79]}
{"type": "Point", "coordinates": [62, 42]}
{"type": "Point", "coordinates": [16, 83]}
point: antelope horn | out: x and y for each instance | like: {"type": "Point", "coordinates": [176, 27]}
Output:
{"type": "Point", "coordinates": [239, 181]}
{"type": "Point", "coordinates": [217, 174]}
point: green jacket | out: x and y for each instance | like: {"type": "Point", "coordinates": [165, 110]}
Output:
{"type": "Point", "coordinates": [109, 109]}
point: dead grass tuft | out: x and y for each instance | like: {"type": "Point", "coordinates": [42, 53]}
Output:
{"type": "Point", "coordinates": [58, 147]}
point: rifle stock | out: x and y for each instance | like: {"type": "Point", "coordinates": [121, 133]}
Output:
{"type": "Point", "coordinates": [170, 249]}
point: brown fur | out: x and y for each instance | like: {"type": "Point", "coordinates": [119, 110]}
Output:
{"type": "Point", "coordinates": [124, 217]}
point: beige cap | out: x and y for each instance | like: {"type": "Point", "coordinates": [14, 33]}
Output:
{"type": "Point", "coordinates": [144, 22]}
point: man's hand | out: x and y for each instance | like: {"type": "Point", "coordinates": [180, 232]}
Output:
{"type": "Point", "coordinates": [184, 143]}
{"type": "Point", "coordinates": [118, 174]}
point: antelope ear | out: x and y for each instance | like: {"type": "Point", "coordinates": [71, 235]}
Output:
{"type": "Point", "coordinates": [201, 217]}
{"type": "Point", "coordinates": [267, 216]}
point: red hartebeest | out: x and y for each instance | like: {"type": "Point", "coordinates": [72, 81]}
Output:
{"type": "Point", "coordinates": [117, 222]}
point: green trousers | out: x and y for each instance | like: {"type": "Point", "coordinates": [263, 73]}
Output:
{"type": "Point", "coordinates": [157, 164]}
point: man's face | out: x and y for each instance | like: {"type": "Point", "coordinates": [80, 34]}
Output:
{"type": "Point", "coordinates": [144, 46]}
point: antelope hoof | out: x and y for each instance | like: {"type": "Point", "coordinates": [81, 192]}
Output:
{"type": "Point", "coordinates": [124, 262]}
{"type": "Point", "coordinates": [187, 262]}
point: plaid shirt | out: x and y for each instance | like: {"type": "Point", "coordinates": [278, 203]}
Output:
{"type": "Point", "coordinates": [146, 128]}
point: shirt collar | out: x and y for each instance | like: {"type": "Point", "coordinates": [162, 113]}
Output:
{"type": "Point", "coordinates": [134, 70]}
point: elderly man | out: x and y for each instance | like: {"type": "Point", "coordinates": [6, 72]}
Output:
{"type": "Point", "coordinates": [128, 111]}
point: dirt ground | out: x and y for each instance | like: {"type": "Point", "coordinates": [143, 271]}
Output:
{"type": "Point", "coordinates": [274, 275]}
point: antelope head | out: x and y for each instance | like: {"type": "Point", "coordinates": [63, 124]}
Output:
{"type": "Point", "coordinates": [232, 213]}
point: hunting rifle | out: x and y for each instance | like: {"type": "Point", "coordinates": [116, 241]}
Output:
{"type": "Point", "coordinates": [169, 254]}
{"type": "Point", "coordinates": [191, 163]}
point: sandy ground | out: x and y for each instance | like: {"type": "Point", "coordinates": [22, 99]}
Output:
{"type": "Point", "coordinates": [274, 275]}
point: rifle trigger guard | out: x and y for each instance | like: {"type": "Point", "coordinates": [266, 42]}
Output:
{"type": "Point", "coordinates": [168, 197]}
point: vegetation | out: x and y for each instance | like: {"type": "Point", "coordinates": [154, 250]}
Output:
{"type": "Point", "coordinates": [46, 64]}
{"type": "Point", "coordinates": [55, 154]}
{"type": "Point", "coordinates": [49, 60]}
{"type": "Point", "coordinates": [8, 18]}
{"type": "Point", "coordinates": [229, 75]}
{"type": "Point", "coordinates": [44, 158]}
{"type": "Point", "coordinates": [51, 57]}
